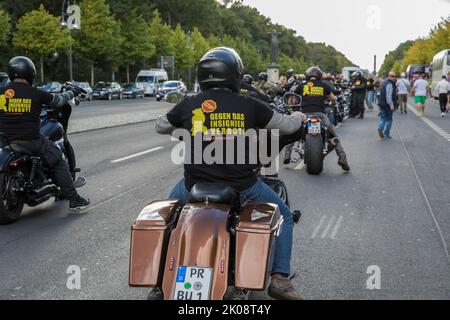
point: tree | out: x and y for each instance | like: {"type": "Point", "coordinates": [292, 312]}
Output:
{"type": "Point", "coordinates": [199, 44]}
{"type": "Point", "coordinates": [161, 37]}
{"type": "Point", "coordinates": [99, 38]}
{"type": "Point", "coordinates": [394, 59]}
{"type": "Point", "coordinates": [40, 34]}
{"type": "Point", "coordinates": [184, 52]}
{"type": "Point", "coordinates": [5, 28]}
{"type": "Point", "coordinates": [420, 52]}
{"type": "Point", "coordinates": [136, 44]}
{"type": "Point", "coordinates": [440, 36]}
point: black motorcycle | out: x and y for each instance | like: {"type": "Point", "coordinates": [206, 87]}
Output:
{"type": "Point", "coordinates": [314, 143]}
{"type": "Point", "coordinates": [23, 177]}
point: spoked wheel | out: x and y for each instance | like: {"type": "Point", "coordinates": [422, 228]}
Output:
{"type": "Point", "coordinates": [11, 203]}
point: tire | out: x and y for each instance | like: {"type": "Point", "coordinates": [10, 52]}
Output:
{"type": "Point", "coordinates": [8, 213]}
{"type": "Point", "coordinates": [314, 154]}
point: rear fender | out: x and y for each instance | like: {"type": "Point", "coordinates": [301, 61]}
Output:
{"type": "Point", "coordinates": [200, 239]}
{"type": "Point", "coordinates": [6, 155]}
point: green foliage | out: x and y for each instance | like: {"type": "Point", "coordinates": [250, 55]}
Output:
{"type": "Point", "coordinates": [5, 28]}
{"type": "Point", "coordinates": [136, 44]}
{"type": "Point", "coordinates": [394, 58]}
{"type": "Point", "coordinates": [161, 36]}
{"type": "Point", "coordinates": [183, 49]}
{"type": "Point", "coordinates": [99, 37]}
{"type": "Point", "coordinates": [199, 44]}
{"type": "Point", "coordinates": [40, 33]}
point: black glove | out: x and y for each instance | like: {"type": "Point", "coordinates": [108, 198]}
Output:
{"type": "Point", "coordinates": [69, 86]}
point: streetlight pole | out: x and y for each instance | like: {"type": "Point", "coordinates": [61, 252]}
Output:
{"type": "Point", "coordinates": [65, 15]}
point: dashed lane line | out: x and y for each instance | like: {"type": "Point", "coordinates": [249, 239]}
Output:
{"type": "Point", "coordinates": [137, 155]}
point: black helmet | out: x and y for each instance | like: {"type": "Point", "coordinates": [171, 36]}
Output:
{"type": "Point", "coordinates": [220, 67]}
{"type": "Point", "coordinates": [22, 68]}
{"type": "Point", "coordinates": [263, 76]}
{"type": "Point", "coordinates": [357, 75]}
{"type": "Point", "coordinates": [248, 79]}
{"type": "Point", "coordinates": [289, 73]}
{"type": "Point", "coordinates": [314, 72]}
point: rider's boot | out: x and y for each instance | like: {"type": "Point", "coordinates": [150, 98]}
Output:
{"type": "Point", "coordinates": [281, 288]}
{"type": "Point", "coordinates": [343, 161]}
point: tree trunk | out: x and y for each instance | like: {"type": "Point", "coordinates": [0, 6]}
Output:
{"type": "Point", "coordinates": [92, 74]}
{"type": "Point", "coordinates": [128, 72]}
{"type": "Point", "coordinates": [42, 68]}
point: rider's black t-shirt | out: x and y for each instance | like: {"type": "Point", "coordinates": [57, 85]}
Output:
{"type": "Point", "coordinates": [314, 94]}
{"type": "Point", "coordinates": [219, 114]}
{"type": "Point", "coordinates": [20, 108]}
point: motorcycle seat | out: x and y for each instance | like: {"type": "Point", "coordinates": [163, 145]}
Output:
{"type": "Point", "coordinates": [21, 150]}
{"type": "Point", "coordinates": [213, 192]}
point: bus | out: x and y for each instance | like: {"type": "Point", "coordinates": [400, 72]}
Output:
{"type": "Point", "coordinates": [413, 71]}
{"type": "Point", "coordinates": [440, 67]}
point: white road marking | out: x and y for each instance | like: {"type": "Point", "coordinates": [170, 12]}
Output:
{"type": "Point", "coordinates": [336, 227]}
{"type": "Point", "coordinates": [137, 155]}
{"type": "Point", "coordinates": [431, 124]}
{"type": "Point", "coordinates": [427, 201]}
{"type": "Point", "coordinates": [325, 232]}
{"type": "Point", "coordinates": [318, 227]}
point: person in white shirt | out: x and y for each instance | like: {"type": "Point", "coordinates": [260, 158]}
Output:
{"type": "Point", "coordinates": [403, 86]}
{"type": "Point", "coordinates": [420, 94]}
{"type": "Point", "coordinates": [443, 88]}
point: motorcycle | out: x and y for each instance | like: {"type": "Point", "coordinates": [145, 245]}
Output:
{"type": "Point", "coordinates": [314, 143]}
{"type": "Point", "coordinates": [23, 177]}
{"type": "Point", "coordinates": [215, 247]}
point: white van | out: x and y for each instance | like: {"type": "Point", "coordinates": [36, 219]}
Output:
{"type": "Point", "coordinates": [151, 80]}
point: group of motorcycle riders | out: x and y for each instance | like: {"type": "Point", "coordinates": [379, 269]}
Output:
{"type": "Point", "coordinates": [221, 77]}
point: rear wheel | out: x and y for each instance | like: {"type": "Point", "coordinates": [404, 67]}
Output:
{"type": "Point", "coordinates": [11, 204]}
{"type": "Point", "coordinates": [314, 154]}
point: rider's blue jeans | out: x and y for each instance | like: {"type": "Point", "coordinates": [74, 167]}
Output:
{"type": "Point", "coordinates": [386, 121]}
{"type": "Point", "coordinates": [260, 192]}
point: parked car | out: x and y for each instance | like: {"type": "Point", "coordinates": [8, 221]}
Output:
{"type": "Point", "coordinates": [171, 86]}
{"type": "Point", "coordinates": [107, 90]}
{"type": "Point", "coordinates": [50, 87]}
{"type": "Point", "coordinates": [151, 80]}
{"type": "Point", "coordinates": [133, 90]}
{"type": "Point", "coordinates": [86, 87]}
{"type": "Point", "coordinates": [4, 79]}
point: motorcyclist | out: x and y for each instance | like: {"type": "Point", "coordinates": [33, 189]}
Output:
{"type": "Point", "coordinates": [291, 81]}
{"type": "Point", "coordinates": [20, 122]}
{"type": "Point", "coordinates": [247, 88]}
{"type": "Point", "coordinates": [358, 87]}
{"type": "Point", "coordinates": [219, 73]}
{"type": "Point", "coordinates": [314, 94]}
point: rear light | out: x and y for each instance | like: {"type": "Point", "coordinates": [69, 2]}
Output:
{"type": "Point", "coordinates": [14, 165]}
{"type": "Point", "coordinates": [313, 120]}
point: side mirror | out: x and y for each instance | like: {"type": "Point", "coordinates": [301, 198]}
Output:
{"type": "Point", "coordinates": [292, 100]}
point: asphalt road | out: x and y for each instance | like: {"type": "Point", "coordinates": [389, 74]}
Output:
{"type": "Point", "coordinates": [392, 211]}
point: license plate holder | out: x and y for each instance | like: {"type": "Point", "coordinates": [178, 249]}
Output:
{"type": "Point", "coordinates": [193, 283]}
{"type": "Point", "coordinates": [314, 128]}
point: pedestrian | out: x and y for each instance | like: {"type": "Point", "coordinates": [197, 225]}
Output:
{"type": "Point", "coordinates": [403, 86]}
{"type": "Point", "coordinates": [419, 90]}
{"type": "Point", "coordinates": [443, 88]}
{"type": "Point", "coordinates": [370, 94]}
{"type": "Point", "coordinates": [387, 102]}
{"type": "Point", "coordinates": [358, 87]}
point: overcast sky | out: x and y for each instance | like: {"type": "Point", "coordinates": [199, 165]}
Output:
{"type": "Point", "coordinates": [358, 28]}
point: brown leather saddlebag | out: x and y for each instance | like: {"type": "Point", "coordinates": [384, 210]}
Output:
{"type": "Point", "coordinates": [258, 226]}
{"type": "Point", "coordinates": [149, 239]}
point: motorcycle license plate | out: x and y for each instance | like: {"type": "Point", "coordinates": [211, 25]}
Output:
{"type": "Point", "coordinates": [193, 283]}
{"type": "Point", "coordinates": [314, 128]}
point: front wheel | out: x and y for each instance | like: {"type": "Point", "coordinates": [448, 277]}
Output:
{"type": "Point", "coordinates": [11, 203]}
{"type": "Point", "coordinates": [314, 154]}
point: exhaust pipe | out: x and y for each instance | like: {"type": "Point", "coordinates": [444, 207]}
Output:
{"type": "Point", "coordinates": [37, 201]}
{"type": "Point", "coordinates": [46, 190]}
